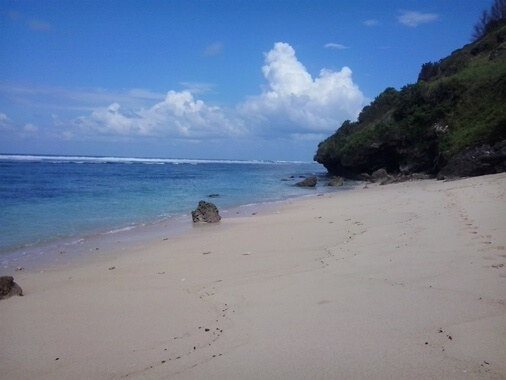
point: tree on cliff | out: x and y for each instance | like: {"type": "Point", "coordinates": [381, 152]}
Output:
{"type": "Point", "coordinates": [490, 20]}
{"type": "Point", "coordinates": [454, 113]}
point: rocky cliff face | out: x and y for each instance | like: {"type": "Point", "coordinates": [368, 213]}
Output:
{"type": "Point", "coordinates": [479, 160]}
{"type": "Point", "coordinates": [453, 115]}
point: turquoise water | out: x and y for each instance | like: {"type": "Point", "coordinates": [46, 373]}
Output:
{"type": "Point", "coordinates": [45, 199]}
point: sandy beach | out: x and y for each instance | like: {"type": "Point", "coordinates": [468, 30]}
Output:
{"type": "Point", "coordinates": [405, 281]}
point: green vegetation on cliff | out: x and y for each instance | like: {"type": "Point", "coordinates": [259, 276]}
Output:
{"type": "Point", "coordinates": [457, 103]}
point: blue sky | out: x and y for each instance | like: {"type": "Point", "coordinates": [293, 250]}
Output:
{"type": "Point", "coordinates": [208, 79]}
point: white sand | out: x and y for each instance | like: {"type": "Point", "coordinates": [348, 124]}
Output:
{"type": "Point", "coordinates": [402, 281]}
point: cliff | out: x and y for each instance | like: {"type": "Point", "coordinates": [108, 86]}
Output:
{"type": "Point", "coordinates": [452, 122]}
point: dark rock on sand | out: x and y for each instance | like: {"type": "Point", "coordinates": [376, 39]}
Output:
{"type": "Point", "coordinates": [335, 182]}
{"type": "Point", "coordinates": [365, 177]}
{"type": "Point", "coordinates": [206, 212]}
{"type": "Point", "coordinates": [384, 178]}
{"type": "Point", "coordinates": [308, 182]}
{"type": "Point", "coordinates": [379, 174]}
{"type": "Point", "coordinates": [476, 161]}
{"type": "Point", "coordinates": [404, 177]}
{"type": "Point", "coordinates": [9, 288]}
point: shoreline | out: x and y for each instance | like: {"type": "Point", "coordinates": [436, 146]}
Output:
{"type": "Point", "coordinates": [50, 200]}
{"type": "Point", "coordinates": [398, 281]}
{"type": "Point", "coordinates": [80, 248]}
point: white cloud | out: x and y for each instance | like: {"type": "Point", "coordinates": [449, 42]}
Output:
{"type": "Point", "coordinates": [197, 87]}
{"type": "Point", "coordinates": [371, 22]}
{"type": "Point", "coordinates": [293, 106]}
{"type": "Point", "coordinates": [295, 103]}
{"type": "Point", "coordinates": [77, 98]}
{"type": "Point", "coordinates": [178, 116]}
{"type": "Point", "coordinates": [6, 124]}
{"type": "Point", "coordinates": [30, 128]}
{"type": "Point", "coordinates": [28, 131]}
{"type": "Point", "coordinates": [213, 49]}
{"type": "Point", "coordinates": [334, 46]}
{"type": "Point", "coordinates": [140, 93]}
{"type": "Point", "coordinates": [414, 19]}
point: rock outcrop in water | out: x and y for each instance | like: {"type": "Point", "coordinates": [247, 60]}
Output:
{"type": "Point", "coordinates": [9, 288]}
{"type": "Point", "coordinates": [307, 182]}
{"type": "Point", "coordinates": [335, 182]}
{"type": "Point", "coordinates": [206, 212]}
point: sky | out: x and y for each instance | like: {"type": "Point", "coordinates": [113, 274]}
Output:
{"type": "Point", "coordinates": [236, 79]}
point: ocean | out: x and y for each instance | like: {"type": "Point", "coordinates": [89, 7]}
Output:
{"type": "Point", "coordinates": [50, 202]}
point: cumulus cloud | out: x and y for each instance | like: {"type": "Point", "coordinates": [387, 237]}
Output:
{"type": "Point", "coordinates": [334, 46]}
{"type": "Point", "coordinates": [296, 103]}
{"type": "Point", "coordinates": [178, 116]}
{"type": "Point", "coordinates": [414, 19]}
{"type": "Point", "coordinates": [12, 128]}
{"type": "Point", "coordinates": [292, 105]}
{"type": "Point", "coordinates": [213, 49]}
